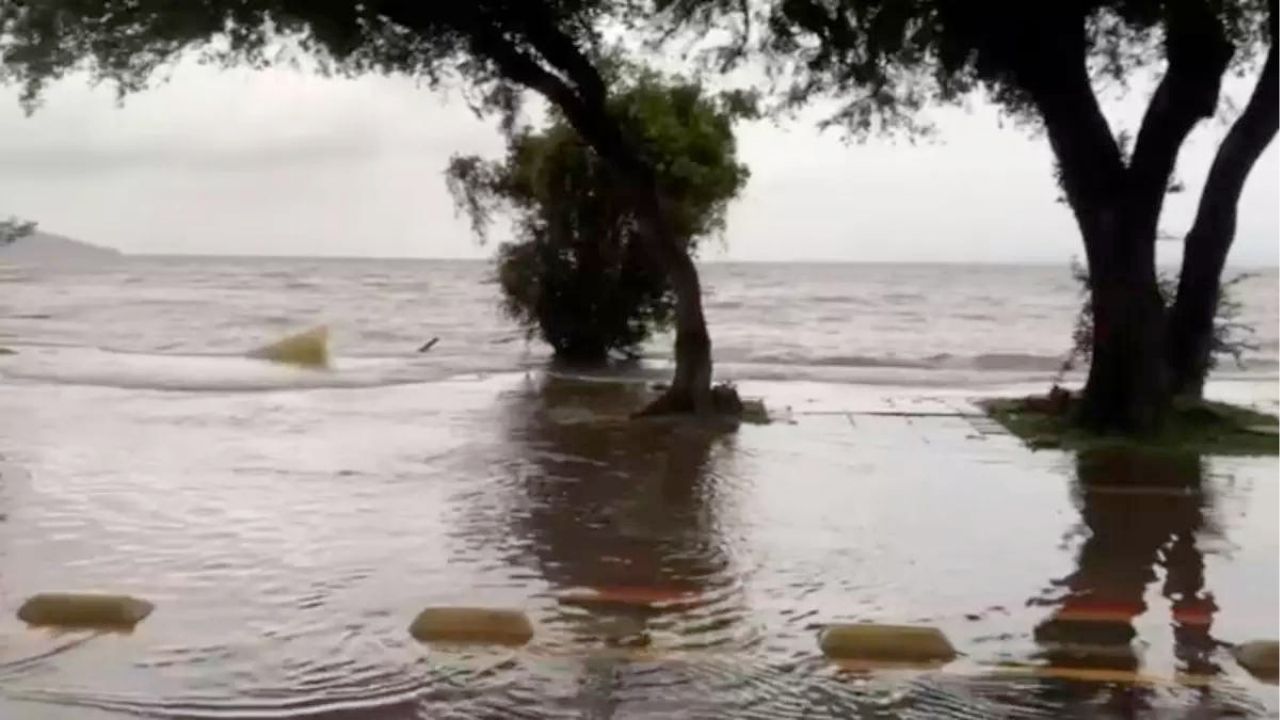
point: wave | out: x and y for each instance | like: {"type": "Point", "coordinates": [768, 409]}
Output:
{"type": "Point", "coordinates": [1017, 361]}
{"type": "Point", "coordinates": [224, 373]}
{"type": "Point", "coordinates": [195, 372]}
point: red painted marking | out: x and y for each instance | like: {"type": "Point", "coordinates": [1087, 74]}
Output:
{"type": "Point", "coordinates": [1193, 612]}
{"type": "Point", "coordinates": [1098, 611]}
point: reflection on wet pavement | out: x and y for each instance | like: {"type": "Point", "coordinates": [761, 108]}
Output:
{"type": "Point", "coordinates": [672, 568]}
{"type": "Point", "coordinates": [1143, 516]}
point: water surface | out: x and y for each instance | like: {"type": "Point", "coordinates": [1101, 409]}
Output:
{"type": "Point", "coordinates": [289, 524]}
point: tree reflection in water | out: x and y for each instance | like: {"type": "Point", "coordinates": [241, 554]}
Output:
{"type": "Point", "coordinates": [627, 510]}
{"type": "Point", "coordinates": [1142, 516]}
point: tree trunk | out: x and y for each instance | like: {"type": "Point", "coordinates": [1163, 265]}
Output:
{"type": "Point", "coordinates": [1117, 204]}
{"type": "Point", "coordinates": [1127, 389]}
{"type": "Point", "coordinates": [1190, 341]}
{"type": "Point", "coordinates": [690, 389]}
{"type": "Point", "coordinates": [1125, 392]}
{"type": "Point", "coordinates": [584, 103]}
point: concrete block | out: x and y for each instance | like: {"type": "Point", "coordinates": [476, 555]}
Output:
{"type": "Point", "coordinates": [889, 643]}
{"type": "Point", "coordinates": [306, 349]}
{"type": "Point", "coordinates": [472, 626]}
{"type": "Point", "coordinates": [1261, 658]}
{"type": "Point", "coordinates": [84, 610]}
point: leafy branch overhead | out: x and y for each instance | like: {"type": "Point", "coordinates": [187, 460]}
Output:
{"type": "Point", "coordinates": [488, 44]}
{"type": "Point", "coordinates": [885, 63]}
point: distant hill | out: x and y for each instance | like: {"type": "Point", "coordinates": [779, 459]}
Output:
{"type": "Point", "coordinates": [46, 248]}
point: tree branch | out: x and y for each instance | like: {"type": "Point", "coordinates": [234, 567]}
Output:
{"type": "Point", "coordinates": [1052, 68]}
{"type": "Point", "coordinates": [1198, 54]}
{"type": "Point", "coordinates": [561, 52]}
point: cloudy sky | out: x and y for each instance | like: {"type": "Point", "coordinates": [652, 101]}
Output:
{"type": "Point", "coordinates": [285, 163]}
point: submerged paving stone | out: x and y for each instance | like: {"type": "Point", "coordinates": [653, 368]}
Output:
{"type": "Point", "coordinates": [472, 626]}
{"type": "Point", "coordinates": [84, 610]}
{"type": "Point", "coordinates": [1261, 658]}
{"type": "Point", "coordinates": [889, 643]}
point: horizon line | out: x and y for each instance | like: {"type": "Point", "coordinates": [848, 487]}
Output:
{"type": "Point", "coordinates": [717, 261]}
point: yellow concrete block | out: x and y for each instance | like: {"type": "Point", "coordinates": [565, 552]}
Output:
{"type": "Point", "coordinates": [84, 610]}
{"type": "Point", "coordinates": [307, 349]}
{"type": "Point", "coordinates": [1261, 658]}
{"type": "Point", "coordinates": [472, 626]}
{"type": "Point", "coordinates": [889, 643]}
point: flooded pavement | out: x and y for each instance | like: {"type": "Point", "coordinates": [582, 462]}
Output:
{"type": "Point", "coordinates": [288, 538]}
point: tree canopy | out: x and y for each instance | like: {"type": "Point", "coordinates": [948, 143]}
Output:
{"type": "Point", "coordinates": [125, 42]}
{"type": "Point", "coordinates": [577, 272]}
{"type": "Point", "coordinates": [497, 48]}
{"type": "Point", "coordinates": [886, 62]}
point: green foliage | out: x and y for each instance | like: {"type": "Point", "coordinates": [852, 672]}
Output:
{"type": "Point", "coordinates": [1191, 426]}
{"type": "Point", "coordinates": [14, 229]}
{"type": "Point", "coordinates": [577, 272]}
{"type": "Point", "coordinates": [885, 62]}
{"type": "Point", "coordinates": [1230, 336]}
{"type": "Point", "coordinates": [494, 46]}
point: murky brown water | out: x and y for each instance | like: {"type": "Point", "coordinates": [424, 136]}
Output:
{"type": "Point", "coordinates": [287, 539]}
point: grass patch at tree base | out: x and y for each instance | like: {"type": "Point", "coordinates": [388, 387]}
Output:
{"type": "Point", "coordinates": [1204, 427]}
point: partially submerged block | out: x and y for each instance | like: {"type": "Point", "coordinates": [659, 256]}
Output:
{"type": "Point", "coordinates": [306, 349]}
{"type": "Point", "coordinates": [887, 643]}
{"type": "Point", "coordinates": [754, 411]}
{"type": "Point", "coordinates": [472, 626]}
{"type": "Point", "coordinates": [84, 610]}
{"type": "Point", "coordinates": [1261, 658]}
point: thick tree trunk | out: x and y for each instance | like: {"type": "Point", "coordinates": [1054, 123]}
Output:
{"type": "Point", "coordinates": [1127, 389]}
{"type": "Point", "coordinates": [1190, 340]}
{"type": "Point", "coordinates": [1117, 204]}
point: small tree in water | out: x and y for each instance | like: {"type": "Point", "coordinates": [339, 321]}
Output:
{"type": "Point", "coordinates": [577, 273]}
{"type": "Point", "coordinates": [13, 229]}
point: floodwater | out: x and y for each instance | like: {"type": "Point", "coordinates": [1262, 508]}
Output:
{"type": "Point", "coordinates": [289, 524]}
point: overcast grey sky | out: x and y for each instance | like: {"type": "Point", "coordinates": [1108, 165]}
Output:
{"type": "Point", "coordinates": [284, 163]}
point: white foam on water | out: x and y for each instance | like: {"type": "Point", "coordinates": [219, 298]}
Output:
{"type": "Point", "coordinates": [206, 373]}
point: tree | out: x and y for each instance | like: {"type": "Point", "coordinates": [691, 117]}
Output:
{"type": "Point", "coordinates": [578, 272]}
{"type": "Point", "coordinates": [501, 47]}
{"type": "Point", "coordinates": [13, 229]}
{"type": "Point", "coordinates": [1191, 340]}
{"type": "Point", "coordinates": [1040, 61]}
{"type": "Point", "coordinates": [1229, 338]}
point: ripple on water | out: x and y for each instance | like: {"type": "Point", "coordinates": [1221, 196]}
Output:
{"type": "Point", "coordinates": [288, 539]}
